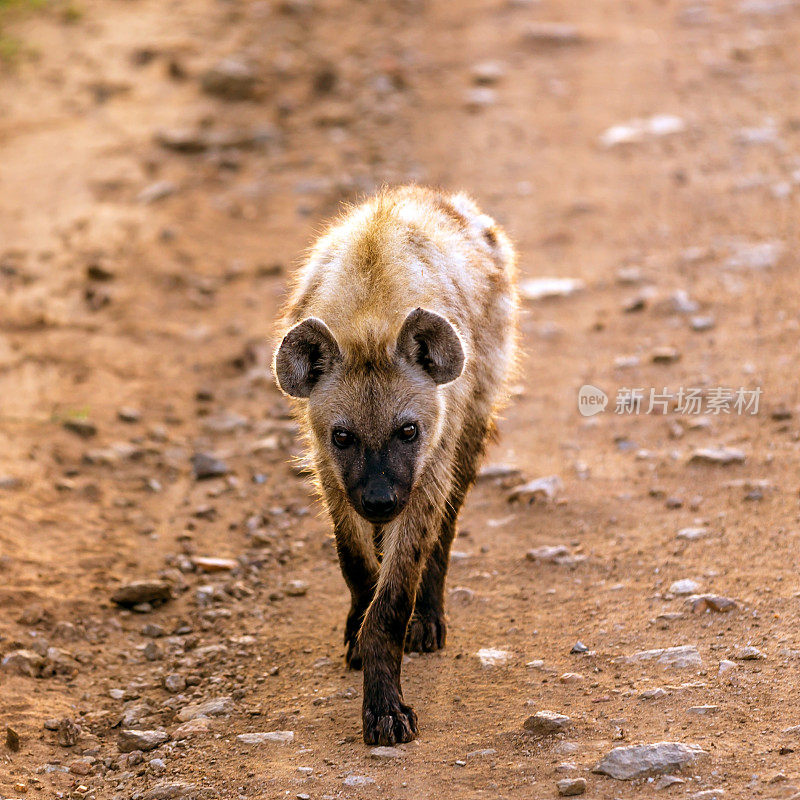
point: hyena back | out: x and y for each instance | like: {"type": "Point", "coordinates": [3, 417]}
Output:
{"type": "Point", "coordinates": [397, 342]}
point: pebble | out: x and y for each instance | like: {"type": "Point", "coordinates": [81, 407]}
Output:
{"type": "Point", "coordinates": [217, 707]}
{"type": "Point", "coordinates": [755, 255]}
{"type": "Point", "coordinates": [708, 794]}
{"type": "Point", "coordinates": [683, 587]}
{"type": "Point", "coordinates": [635, 761]}
{"type": "Point", "coordinates": [480, 97]}
{"type": "Point", "coordinates": [638, 130]}
{"type": "Point", "coordinates": [174, 683]}
{"type": "Point", "coordinates": [692, 534]}
{"type": "Point", "coordinates": [130, 740]}
{"type": "Point", "coordinates": [571, 787]}
{"type": "Point", "coordinates": [489, 657]}
{"type": "Point", "coordinates": [193, 727]}
{"type": "Point", "coordinates": [702, 710]}
{"type": "Point", "coordinates": [717, 455]}
{"type": "Point", "coordinates": [231, 79]}
{"type": "Point", "coordinates": [653, 694]}
{"type": "Point", "coordinates": [665, 355]}
{"type": "Point", "coordinates": [684, 656]}
{"type": "Point", "coordinates": [24, 662]}
{"type": "Point", "coordinates": [665, 781]}
{"type": "Point", "coordinates": [487, 73]}
{"type": "Point", "coordinates": [571, 677]}
{"type": "Point", "coordinates": [554, 554]}
{"type": "Point", "coordinates": [205, 466]}
{"type": "Point", "coordinates": [547, 488]}
{"type": "Point", "coordinates": [12, 739]}
{"type": "Point", "coordinates": [132, 594]}
{"type": "Point", "coordinates": [150, 194]}
{"type": "Point", "coordinates": [546, 288]}
{"type": "Point", "coordinates": [358, 780]}
{"type": "Point", "coordinates": [461, 595]}
{"type": "Point", "coordinates": [701, 323]}
{"type": "Point", "coordinates": [726, 666]}
{"type": "Point", "coordinates": [283, 737]}
{"type": "Point", "coordinates": [81, 427]}
{"type": "Point", "coordinates": [748, 653]}
{"type": "Point", "coordinates": [212, 564]}
{"type": "Point", "coordinates": [546, 723]}
{"type": "Point", "coordinates": [296, 588]}
{"type": "Point", "coordinates": [171, 791]}
{"type": "Point", "coordinates": [543, 35]}
{"type": "Point", "coordinates": [69, 732]}
{"type": "Point", "coordinates": [386, 752]}
{"type": "Point", "coordinates": [710, 602]}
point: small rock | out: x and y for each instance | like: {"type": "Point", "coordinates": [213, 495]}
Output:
{"type": "Point", "coordinates": [550, 554]}
{"type": "Point", "coordinates": [283, 737]}
{"type": "Point", "coordinates": [693, 534]}
{"type": "Point", "coordinates": [150, 194]}
{"type": "Point", "coordinates": [296, 588]}
{"type": "Point", "coordinates": [24, 662]}
{"type": "Point", "coordinates": [381, 753]}
{"type": "Point", "coordinates": [487, 73]}
{"type": "Point", "coordinates": [461, 595]}
{"type": "Point", "coordinates": [717, 455]}
{"type": "Point", "coordinates": [205, 466]}
{"type": "Point", "coordinates": [571, 677]}
{"type": "Point", "coordinates": [193, 727]}
{"type": "Point", "coordinates": [638, 130]}
{"type": "Point", "coordinates": [635, 761]}
{"type": "Point", "coordinates": [358, 780]}
{"type": "Point", "coordinates": [571, 787]}
{"type": "Point", "coordinates": [546, 723]}
{"type": "Point", "coordinates": [211, 564]}
{"type": "Point", "coordinates": [748, 653]}
{"type": "Point", "coordinates": [489, 657]}
{"type": "Point", "coordinates": [700, 323]}
{"type": "Point", "coordinates": [684, 587]}
{"type": "Point", "coordinates": [653, 694]}
{"type": "Point", "coordinates": [68, 732]}
{"type": "Point", "coordinates": [82, 427]}
{"type": "Point", "coordinates": [210, 708]}
{"type": "Point", "coordinates": [545, 288]}
{"type": "Point", "coordinates": [130, 740]}
{"type": "Point", "coordinates": [702, 710]}
{"type": "Point", "coordinates": [174, 683]}
{"type": "Point", "coordinates": [579, 647]}
{"type": "Point", "coordinates": [547, 488]}
{"type": "Point", "coordinates": [231, 79]}
{"type": "Point", "coordinates": [682, 657]}
{"type": "Point", "coordinates": [480, 97]}
{"type": "Point", "coordinates": [132, 594]}
{"type": "Point", "coordinates": [755, 255]}
{"type": "Point", "coordinates": [547, 35]}
{"type": "Point", "coordinates": [665, 781]}
{"type": "Point", "coordinates": [726, 666]}
{"type": "Point", "coordinates": [665, 355]}
{"type": "Point", "coordinates": [12, 739]}
{"type": "Point", "coordinates": [129, 415]}
{"type": "Point", "coordinates": [710, 602]}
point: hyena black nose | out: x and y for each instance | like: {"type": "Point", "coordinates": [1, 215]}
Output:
{"type": "Point", "coordinates": [378, 501]}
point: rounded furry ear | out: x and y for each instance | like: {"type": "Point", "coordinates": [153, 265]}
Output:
{"type": "Point", "coordinates": [307, 352]}
{"type": "Point", "coordinates": [427, 340]}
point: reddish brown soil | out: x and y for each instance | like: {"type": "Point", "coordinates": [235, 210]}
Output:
{"type": "Point", "coordinates": [194, 282]}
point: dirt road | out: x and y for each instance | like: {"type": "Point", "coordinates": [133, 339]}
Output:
{"type": "Point", "coordinates": [153, 197]}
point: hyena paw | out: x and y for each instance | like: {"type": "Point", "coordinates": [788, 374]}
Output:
{"type": "Point", "coordinates": [389, 723]}
{"type": "Point", "coordinates": [426, 632]}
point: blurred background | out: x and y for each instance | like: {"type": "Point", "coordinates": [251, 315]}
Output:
{"type": "Point", "coordinates": [162, 167]}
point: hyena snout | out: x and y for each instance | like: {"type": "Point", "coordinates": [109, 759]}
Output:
{"type": "Point", "coordinates": [379, 501]}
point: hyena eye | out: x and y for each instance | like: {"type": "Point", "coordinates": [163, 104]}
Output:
{"type": "Point", "coordinates": [342, 438]}
{"type": "Point", "coordinates": [408, 432]}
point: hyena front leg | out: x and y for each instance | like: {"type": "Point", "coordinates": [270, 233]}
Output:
{"type": "Point", "coordinates": [360, 569]}
{"type": "Point", "coordinates": [387, 719]}
{"type": "Point", "coordinates": [427, 630]}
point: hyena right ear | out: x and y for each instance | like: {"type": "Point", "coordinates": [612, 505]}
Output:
{"type": "Point", "coordinates": [430, 342]}
{"type": "Point", "coordinates": [307, 352]}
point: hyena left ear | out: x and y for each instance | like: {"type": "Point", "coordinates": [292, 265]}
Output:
{"type": "Point", "coordinates": [307, 352]}
{"type": "Point", "coordinates": [429, 341]}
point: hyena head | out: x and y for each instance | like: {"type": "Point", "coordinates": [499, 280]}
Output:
{"type": "Point", "coordinates": [375, 411]}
